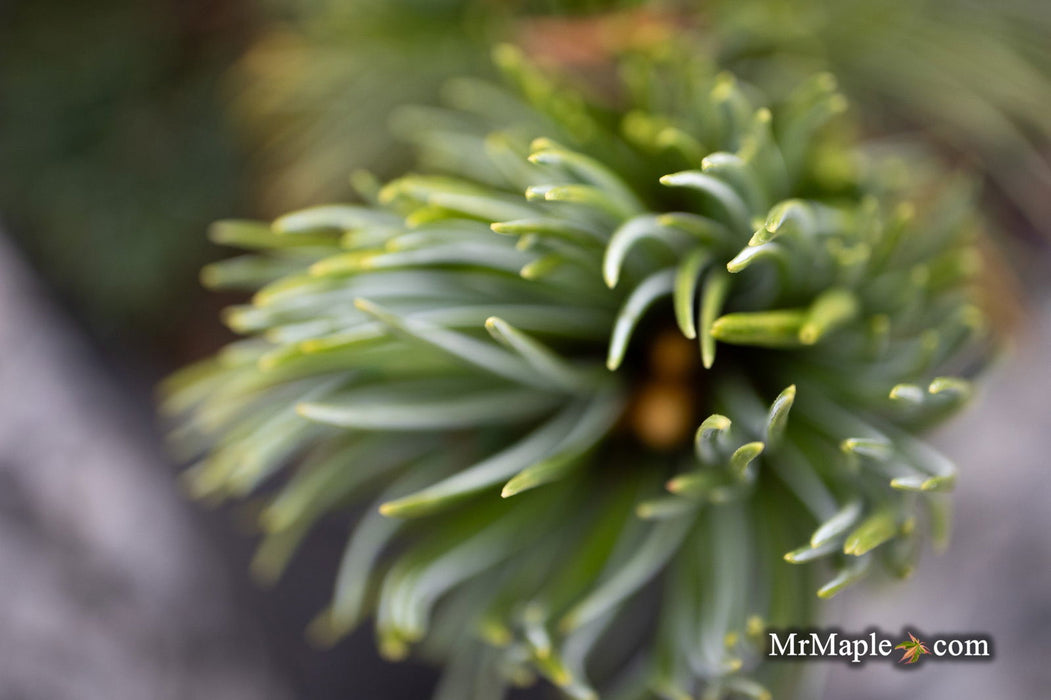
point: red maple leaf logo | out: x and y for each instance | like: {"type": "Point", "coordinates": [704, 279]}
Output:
{"type": "Point", "coordinates": [913, 650]}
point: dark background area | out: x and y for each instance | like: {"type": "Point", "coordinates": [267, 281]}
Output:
{"type": "Point", "coordinates": [116, 151]}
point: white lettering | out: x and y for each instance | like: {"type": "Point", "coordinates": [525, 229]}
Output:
{"type": "Point", "coordinates": [977, 647]}
{"type": "Point", "coordinates": [779, 649]}
{"type": "Point", "coordinates": [828, 649]}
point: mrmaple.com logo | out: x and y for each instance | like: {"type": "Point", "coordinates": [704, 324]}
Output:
{"type": "Point", "coordinates": [907, 648]}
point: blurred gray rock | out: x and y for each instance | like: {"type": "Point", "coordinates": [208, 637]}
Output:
{"type": "Point", "coordinates": [108, 588]}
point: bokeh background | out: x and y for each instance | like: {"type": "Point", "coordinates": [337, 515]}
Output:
{"type": "Point", "coordinates": [126, 126]}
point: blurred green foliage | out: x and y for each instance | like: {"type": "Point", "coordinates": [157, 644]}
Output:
{"type": "Point", "coordinates": [974, 76]}
{"type": "Point", "coordinates": [124, 125]}
{"type": "Point", "coordinates": [313, 94]}
{"type": "Point", "coordinates": [114, 150]}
